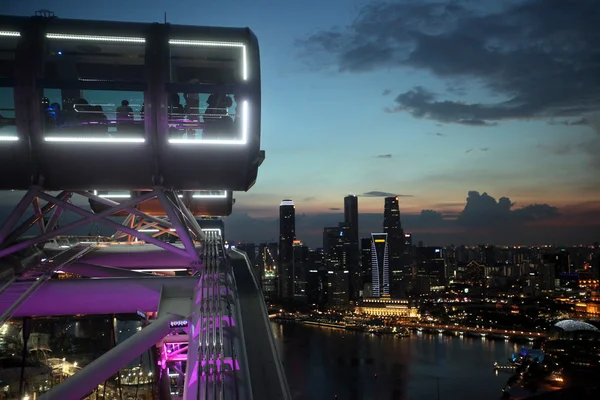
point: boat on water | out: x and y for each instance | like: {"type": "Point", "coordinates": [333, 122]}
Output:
{"type": "Point", "coordinates": [402, 332]}
{"type": "Point", "coordinates": [526, 354]}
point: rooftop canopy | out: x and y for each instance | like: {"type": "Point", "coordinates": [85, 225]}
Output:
{"type": "Point", "coordinates": [570, 325]}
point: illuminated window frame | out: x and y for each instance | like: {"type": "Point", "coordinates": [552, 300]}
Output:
{"type": "Point", "coordinates": [176, 42]}
{"type": "Point", "coordinates": [95, 38]}
{"type": "Point", "coordinates": [205, 43]}
{"type": "Point", "coordinates": [9, 138]}
{"type": "Point", "coordinates": [242, 141]}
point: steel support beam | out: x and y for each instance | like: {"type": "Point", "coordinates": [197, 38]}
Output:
{"type": "Point", "coordinates": [97, 271]}
{"type": "Point", "coordinates": [16, 214]}
{"type": "Point", "coordinates": [101, 369]}
{"type": "Point", "coordinates": [102, 296]}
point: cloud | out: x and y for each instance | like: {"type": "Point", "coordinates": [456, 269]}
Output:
{"type": "Point", "coordinates": [386, 92]}
{"type": "Point", "coordinates": [311, 198]}
{"type": "Point", "coordinates": [377, 193]}
{"type": "Point", "coordinates": [383, 156]}
{"type": "Point", "coordinates": [483, 149]}
{"type": "Point", "coordinates": [539, 56]}
{"type": "Point", "coordinates": [431, 218]}
{"type": "Point", "coordinates": [482, 210]}
{"type": "Point", "coordinates": [482, 219]}
{"type": "Point", "coordinates": [439, 134]}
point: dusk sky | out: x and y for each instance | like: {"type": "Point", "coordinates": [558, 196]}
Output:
{"type": "Point", "coordinates": [429, 100]}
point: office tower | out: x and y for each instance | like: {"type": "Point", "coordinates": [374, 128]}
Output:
{"type": "Point", "coordinates": [316, 281]}
{"type": "Point", "coordinates": [335, 247]}
{"type": "Point", "coordinates": [353, 256]}
{"type": "Point", "coordinates": [431, 268]}
{"type": "Point", "coordinates": [380, 276]}
{"type": "Point", "coordinates": [267, 260]}
{"type": "Point", "coordinates": [300, 270]}
{"type": "Point", "coordinates": [365, 258]}
{"type": "Point", "coordinates": [393, 227]}
{"type": "Point", "coordinates": [287, 235]}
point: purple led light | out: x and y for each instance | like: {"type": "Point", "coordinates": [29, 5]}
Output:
{"type": "Point", "coordinates": [179, 324]}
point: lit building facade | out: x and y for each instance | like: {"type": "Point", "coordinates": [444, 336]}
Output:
{"type": "Point", "coordinates": [387, 308]}
{"type": "Point", "coordinates": [380, 271]}
{"type": "Point", "coordinates": [353, 256]}
{"type": "Point", "coordinates": [395, 239]}
{"type": "Point", "coordinates": [287, 235]}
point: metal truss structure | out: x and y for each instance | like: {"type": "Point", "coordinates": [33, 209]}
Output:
{"type": "Point", "coordinates": [180, 221]}
{"type": "Point", "coordinates": [196, 332]}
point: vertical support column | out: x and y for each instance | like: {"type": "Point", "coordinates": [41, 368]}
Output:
{"type": "Point", "coordinates": [28, 95]}
{"type": "Point", "coordinates": [26, 333]}
{"type": "Point", "coordinates": [156, 96]}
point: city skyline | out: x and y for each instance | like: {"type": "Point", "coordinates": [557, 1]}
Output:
{"type": "Point", "coordinates": [433, 125]}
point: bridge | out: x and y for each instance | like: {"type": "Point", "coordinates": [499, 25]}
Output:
{"type": "Point", "coordinates": [479, 331]}
{"type": "Point", "coordinates": [93, 133]}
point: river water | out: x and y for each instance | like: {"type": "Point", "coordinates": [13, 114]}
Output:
{"type": "Point", "coordinates": [321, 363]}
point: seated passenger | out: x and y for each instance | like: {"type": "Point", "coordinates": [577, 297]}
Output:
{"type": "Point", "coordinates": [98, 121]}
{"type": "Point", "coordinates": [192, 108]}
{"type": "Point", "coordinates": [176, 114]}
{"type": "Point", "coordinates": [217, 121]}
{"type": "Point", "coordinates": [47, 116]}
{"type": "Point", "coordinates": [54, 117]}
{"type": "Point", "coordinates": [124, 117]}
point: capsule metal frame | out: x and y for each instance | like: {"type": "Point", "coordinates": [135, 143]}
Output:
{"type": "Point", "coordinates": [156, 158]}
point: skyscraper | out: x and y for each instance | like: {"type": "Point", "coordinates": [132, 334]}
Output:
{"type": "Point", "coordinates": [365, 260]}
{"type": "Point", "coordinates": [393, 227]}
{"type": "Point", "coordinates": [335, 247]}
{"type": "Point", "coordinates": [353, 256]}
{"type": "Point", "coordinates": [379, 265]}
{"type": "Point", "coordinates": [287, 235]}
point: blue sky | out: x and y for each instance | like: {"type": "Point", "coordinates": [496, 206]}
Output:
{"type": "Point", "coordinates": [454, 124]}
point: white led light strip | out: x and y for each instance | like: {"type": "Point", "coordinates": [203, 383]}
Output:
{"type": "Point", "coordinates": [222, 195]}
{"type": "Point", "coordinates": [93, 139]}
{"type": "Point", "coordinates": [113, 196]}
{"type": "Point", "coordinates": [210, 196]}
{"type": "Point", "coordinates": [242, 141]}
{"type": "Point", "coordinates": [10, 33]}
{"type": "Point", "coordinates": [8, 138]}
{"type": "Point", "coordinates": [91, 38]}
{"type": "Point", "coordinates": [203, 43]}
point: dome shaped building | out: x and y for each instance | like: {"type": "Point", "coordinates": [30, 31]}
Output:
{"type": "Point", "coordinates": [574, 344]}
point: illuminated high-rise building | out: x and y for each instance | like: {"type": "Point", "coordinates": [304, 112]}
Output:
{"type": "Point", "coordinates": [352, 245]}
{"type": "Point", "coordinates": [393, 227]}
{"type": "Point", "coordinates": [287, 235]}
{"type": "Point", "coordinates": [380, 272]}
